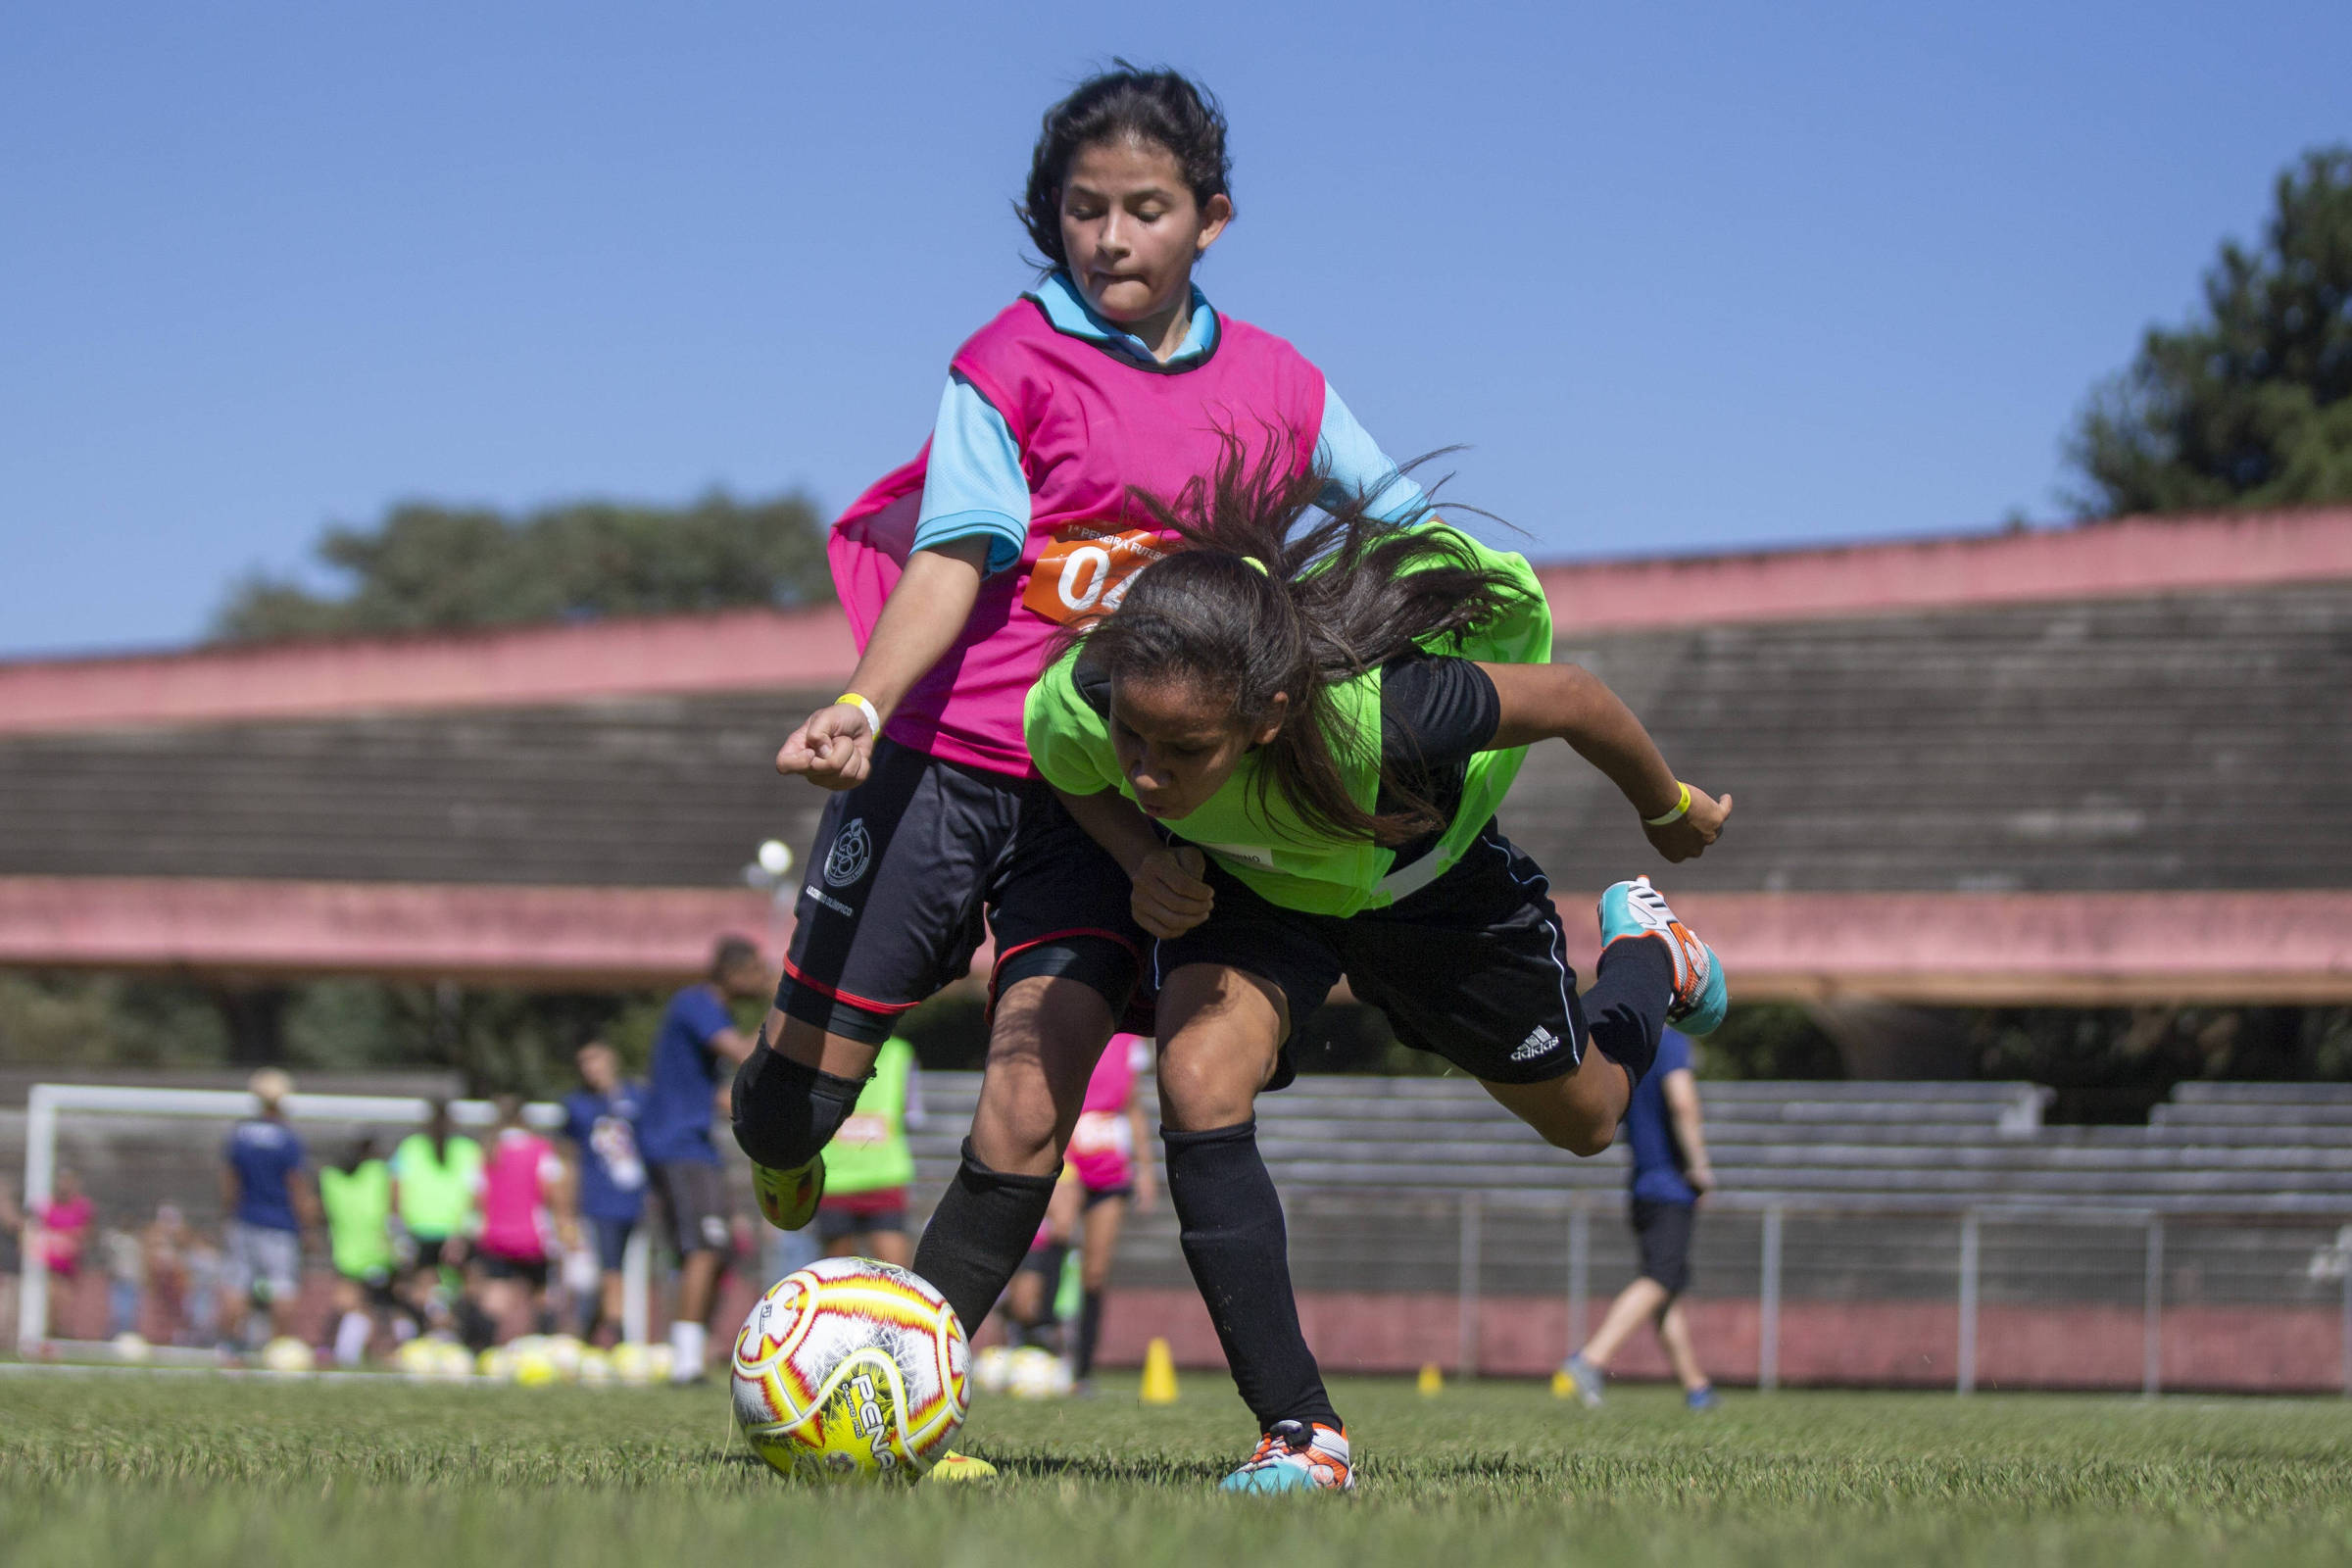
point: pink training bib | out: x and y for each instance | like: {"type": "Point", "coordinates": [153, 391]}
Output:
{"type": "Point", "coordinates": [1102, 1144]}
{"type": "Point", "coordinates": [1090, 423]}
{"type": "Point", "coordinates": [514, 1218]}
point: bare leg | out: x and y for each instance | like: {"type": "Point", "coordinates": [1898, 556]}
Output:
{"type": "Point", "coordinates": [1638, 1303]}
{"type": "Point", "coordinates": [615, 1302]}
{"type": "Point", "coordinates": [1674, 1333]}
{"type": "Point", "coordinates": [883, 1246]}
{"type": "Point", "coordinates": [1041, 1052]}
{"type": "Point", "coordinates": [811, 1046]}
{"type": "Point", "coordinates": [1579, 1112]}
{"type": "Point", "coordinates": [697, 1281]}
{"type": "Point", "coordinates": [1102, 1230]}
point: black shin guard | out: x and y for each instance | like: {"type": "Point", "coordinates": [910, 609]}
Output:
{"type": "Point", "coordinates": [1239, 1251]}
{"type": "Point", "coordinates": [1626, 1008]}
{"type": "Point", "coordinates": [786, 1111]}
{"type": "Point", "coordinates": [979, 1234]}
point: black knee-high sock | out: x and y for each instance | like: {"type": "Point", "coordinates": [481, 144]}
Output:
{"type": "Point", "coordinates": [979, 1234]}
{"type": "Point", "coordinates": [1627, 1006]}
{"type": "Point", "coordinates": [1090, 1328]}
{"type": "Point", "coordinates": [1234, 1241]}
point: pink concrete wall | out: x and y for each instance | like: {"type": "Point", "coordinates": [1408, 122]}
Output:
{"type": "Point", "coordinates": [2249, 1349]}
{"type": "Point", "coordinates": [2044, 948]}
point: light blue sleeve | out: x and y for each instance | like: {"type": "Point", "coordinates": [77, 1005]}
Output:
{"type": "Point", "coordinates": [974, 483]}
{"type": "Point", "coordinates": [1357, 466]}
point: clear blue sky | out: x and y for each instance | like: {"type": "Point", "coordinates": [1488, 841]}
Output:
{"type": "Point", "coordinates": [1681, 277]}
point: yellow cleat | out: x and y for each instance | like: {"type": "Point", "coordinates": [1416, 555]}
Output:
{"type": "Point", "coordinates": [954, 1467]}
{"type": "Point", "coordinates": [788, 1197]}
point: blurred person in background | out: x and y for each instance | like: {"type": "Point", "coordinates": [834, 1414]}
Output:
{"type": "Point", "coordinates": [1670, 1175]}
{"type": "Point", "coordinates": [357, 1196]}
{"type": "Point", "coordinates": [695, 1052]}
{"type": "Point", "coordinates": [600, 1118]}
{"type": "Point", "coordinates": [207, 1274]}
{"type": "Point", "coordinates": [163, 1249]}
{"type": "Point", "coordinates": [433, 1175]}
{"type": "Point", "coordinates": [62, 1226]}
{"type": "Point", "coordinates": [1110, 1166]}
{"type": "Point", "coordinates": [525, 1199]}
{"type": "Point", "coordinates": [267, 1193]}
{"type": "Point", "coordinates": [125, 1280]}
{"type": "Point", "coordinates": [869, 1165]}
{"type": "Point", "coordinates": [11, 1260]}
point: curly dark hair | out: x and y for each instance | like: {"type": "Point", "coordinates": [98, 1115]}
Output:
{"type": "Point", "coordinates": [1266, 598]}
{"type": "Point", "coordinates": [1164, 107]}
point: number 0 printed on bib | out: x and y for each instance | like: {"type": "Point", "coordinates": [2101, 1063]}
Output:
{"type": "Point", "coordinates": [1084, 571]}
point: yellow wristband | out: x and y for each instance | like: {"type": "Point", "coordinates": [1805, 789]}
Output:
{"type": "Point", "coordinates": [873, 720]}
{"type": "Point", "coordinates": [1681, 809]}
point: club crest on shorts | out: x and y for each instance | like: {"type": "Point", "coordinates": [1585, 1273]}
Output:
{"type": "Point", "coordinates": [852, 848]}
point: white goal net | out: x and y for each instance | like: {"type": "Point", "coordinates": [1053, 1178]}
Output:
{"type": "Point", "coordinates": [164, 1144]}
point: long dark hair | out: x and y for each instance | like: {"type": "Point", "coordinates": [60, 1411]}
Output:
{"type": "Point", "coordinates": [1164, 107]}
{"type": "Point", "coordinates": [1264, 603]}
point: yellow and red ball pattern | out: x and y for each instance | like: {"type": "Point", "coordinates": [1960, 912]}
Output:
{"type": "Point", "coordinates": [851, 1370]}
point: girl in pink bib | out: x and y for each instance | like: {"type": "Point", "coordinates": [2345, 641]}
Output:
{"type": "Point", "coordinates": [1112, 374]}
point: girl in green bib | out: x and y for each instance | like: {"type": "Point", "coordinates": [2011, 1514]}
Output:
{"type": "Point", "coordinates": [1294, 738]}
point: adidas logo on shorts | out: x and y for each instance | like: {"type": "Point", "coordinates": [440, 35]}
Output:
{"type": "Point", "coordinates": [1536, 1044]}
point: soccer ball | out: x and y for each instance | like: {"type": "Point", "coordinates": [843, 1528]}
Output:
{"type": "Point", "coordinates": [991, 1369]}
{"type": "Point", "coordinates": [851, 1371]}
{"type": "Point", "coordinates": [285, 1353]}
{"type": "Point", "coordinates": [632, 1364]}
{"type": "Point", "coordinates": [133, 1348]}
{"type": "Point", "coordinates": [596, 1367]}
{"type": "Point", "coordinates": [1035, 1373]}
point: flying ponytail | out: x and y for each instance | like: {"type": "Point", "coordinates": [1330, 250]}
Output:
{"type": "Point", "coordinates": [1262, 604]}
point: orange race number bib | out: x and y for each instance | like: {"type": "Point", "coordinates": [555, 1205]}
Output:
{"type": "Point", "coordinates": [1084, 571]}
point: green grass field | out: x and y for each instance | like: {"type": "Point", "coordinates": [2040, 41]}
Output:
{"type": "Point", "coordinates": [200, 1470]}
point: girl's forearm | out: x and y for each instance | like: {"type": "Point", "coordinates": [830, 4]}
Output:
{"type": "Point", "coordinates": [1566, 701]}
{"type": "Point", "coordinates": [920, 620]}
{"type": "Point", "coordinates": [1111, 820]}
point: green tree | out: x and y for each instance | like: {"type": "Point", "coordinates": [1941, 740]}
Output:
{"type": "Point", "coordinates": [2250, 404]}
{"type": "Point", "coordinates": [427, 566]}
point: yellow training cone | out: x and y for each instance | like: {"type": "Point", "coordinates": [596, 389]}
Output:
{"type": "Point", "coordinates": [1431, 1381]}
{"type": "Point", "coordinates": [1563, 1387]}
{"type": "Point", "coordinates": [1160, 1374]}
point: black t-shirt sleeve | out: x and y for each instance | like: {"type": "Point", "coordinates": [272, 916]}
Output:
{"type": "Point", "coordinates": [1435, 713]}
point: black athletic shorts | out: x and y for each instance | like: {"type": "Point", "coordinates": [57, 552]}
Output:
{"type": "Point", "coordinates": [691, 1194]}
{"type": "Point", "coordinates": [832, 1224]}
{"type": "Point", "coordinates": [1474, 967]}
{"type": "Point", "coordinates": [906, 865]}
{"type": "Point", "coordinates": [531, 1271]}
{"type": "Point", "coordinates": [1663, 1232]}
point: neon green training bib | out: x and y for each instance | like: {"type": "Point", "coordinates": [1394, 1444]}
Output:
{"type": "Point", "coordinates": [359, 1218]}
{"type": "Point", "coordinates": [1269, 847]}
{"type": "Point", "coordinates": [870, 1153]}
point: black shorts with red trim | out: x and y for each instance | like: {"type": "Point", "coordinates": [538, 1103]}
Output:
{"type": "Point", "coordinates": [908, 866]}
{"type": "Point", "coordinates": [1473, 967]}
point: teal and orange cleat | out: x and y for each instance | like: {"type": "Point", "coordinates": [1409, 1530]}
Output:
{"type": "Point", "coordinates": [1635, 908]}
{"type": "Point", "coordinates": [1295, 1458]}
{"type": "Point", "coordinates": [788, 1197]}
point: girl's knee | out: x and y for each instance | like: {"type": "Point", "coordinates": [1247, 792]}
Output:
{"type": "Point", "coordinates": [1198, 1093]}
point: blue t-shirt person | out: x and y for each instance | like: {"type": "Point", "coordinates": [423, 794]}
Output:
{"type": "Point", "coordinates": [1658, 1159]}
{"type": "Point", "coordinates": [265, 1154]}
{"type": "Point", "coordinates": [611, 1169]}
{"type": "Point", "coordinates": [675, 1123]}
